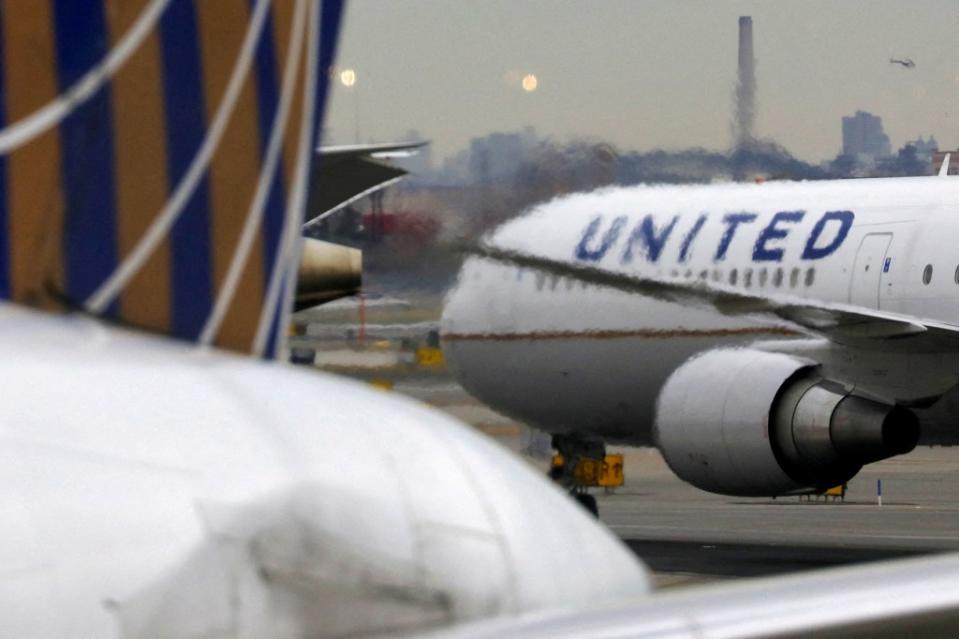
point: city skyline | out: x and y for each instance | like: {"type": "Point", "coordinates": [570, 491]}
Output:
{"type": "Point", "coordinates": [644, 75]}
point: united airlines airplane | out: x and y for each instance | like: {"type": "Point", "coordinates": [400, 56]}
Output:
{"type": "Point", "coordinates": [770, 338]}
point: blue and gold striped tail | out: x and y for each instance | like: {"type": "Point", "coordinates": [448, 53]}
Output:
{"type": "Point", "coordinates": [155, 156]}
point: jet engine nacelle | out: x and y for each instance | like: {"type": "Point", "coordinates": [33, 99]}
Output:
{"type": "Point", "coordinates": [752, 423]}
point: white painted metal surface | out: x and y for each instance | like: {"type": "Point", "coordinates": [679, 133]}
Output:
{"type": "Point", "coordinates": [867, 270]}
{"type": "Point", "coordinates": [152, 489]}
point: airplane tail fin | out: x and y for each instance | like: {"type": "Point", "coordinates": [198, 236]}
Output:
{"type": "Point", "coordinates": [155, 157]}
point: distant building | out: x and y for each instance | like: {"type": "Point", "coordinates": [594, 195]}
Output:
{"type": "Point", "coordinates": [498, 156]}
{"type": "Point", "coordinates": [924, 148]}
{"type": "Point", "coordinates": [863, 138]}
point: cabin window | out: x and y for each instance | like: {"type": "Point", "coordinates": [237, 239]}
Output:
{"type": "Point", "coordinates": [778, 277]}
{"type": "Point", "coordinates": [810, 276]}
{"type": "Point", "coordinates": [927, 274]}
{"type": "Point", "coordinates": [957, 275]}
{"type": "Point", "coordinates": [703, 275]}
{"type": "Point", "coordinates": [733, 276]}
{"type": "Point", "coordinates": [748, 277]}
{"type": "Point", "coordinates": [718, 275]}
{"type": "Point", "coordinates": [794, 278]}
{"type": "Point", "coordinates": [763, 276]}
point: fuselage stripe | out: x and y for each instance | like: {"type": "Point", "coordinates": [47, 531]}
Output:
{"type": "Point", "coordinates": [652, 333]}
{"type": "Point", "coordinates": [87, 162]}
{"type": "Point", "coordinates": [235, 167]}
{"type": "Point", "coordinates": [5, 289]}
{"type": "Point", "coordinates": [191, 266]}
{"type": "Point", "coordinates": [287, 16]}
{"type": "Point", "coordinates": [268, 91]}
{"type": "Point", "coordinates": [321, 49]}
{"type": "Point", "coordinates": [141, 167]}
{"type": "Point", "coordinates": [35, 199]}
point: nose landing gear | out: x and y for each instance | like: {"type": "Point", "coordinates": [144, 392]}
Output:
{"type": "Point", "coordinates": [571, 469]}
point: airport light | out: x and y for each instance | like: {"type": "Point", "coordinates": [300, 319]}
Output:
{"type": "Point", "coordinates": [348, 77]}
{"type": "Point", "coordinates": [530, 83]}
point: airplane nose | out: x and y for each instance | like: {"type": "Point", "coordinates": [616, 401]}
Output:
{"type": "Point", "coordinates": [456, 302]}
{"type": "Point", "coordinates": [423, 524]}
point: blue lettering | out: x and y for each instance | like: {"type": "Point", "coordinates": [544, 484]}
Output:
{"type": "Point", "coordinates": [654, 242]}
{"type": "Point", "coordinates": [813, 252]}
{"type": "Point", "coordinates": [688, 240]}
{"type": "Point", "coordinates": [584, 252]}
{"type": "Point", "coordinates": [763, 254]}
{"type": "Point", "coordinates": [732, 221]}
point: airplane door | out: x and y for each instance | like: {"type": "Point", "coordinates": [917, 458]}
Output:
{"type": "Point", "coordinates": [867, 271]}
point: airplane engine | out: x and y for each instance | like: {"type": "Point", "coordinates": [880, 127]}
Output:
{"type": "Point", "coordinates": [752, 423]}
{"type": "Point", "coordinates": [327, 272]}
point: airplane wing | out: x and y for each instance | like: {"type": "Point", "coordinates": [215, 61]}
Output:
{"type": "Point", "coordinates": [912, 597]}
{"type": "Point", "coordinates": [344, 174]}
{"type": "Point", "coordinates": [842, 323]}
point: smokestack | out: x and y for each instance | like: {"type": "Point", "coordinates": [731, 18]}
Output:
{"type": "Point", "coordinates": [745, 86]}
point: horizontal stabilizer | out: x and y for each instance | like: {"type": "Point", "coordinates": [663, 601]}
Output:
{"type": "Point", "coordinates": [344, 174]}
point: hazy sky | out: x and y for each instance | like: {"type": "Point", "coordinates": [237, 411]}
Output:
{"type": "Point", "coordinates": [646, 74]}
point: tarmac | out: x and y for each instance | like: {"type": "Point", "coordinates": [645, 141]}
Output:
{"type": "Point", "coordinates": [687, 536]}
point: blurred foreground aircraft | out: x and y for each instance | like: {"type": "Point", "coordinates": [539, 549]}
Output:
{"type": "Point", "coordinates": [154, 169]}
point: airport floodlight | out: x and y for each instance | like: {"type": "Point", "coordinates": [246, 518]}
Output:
{"type": "Point", "coordinates": [530, 83]}
{"type": "Point", "coordinates": [348, 77]}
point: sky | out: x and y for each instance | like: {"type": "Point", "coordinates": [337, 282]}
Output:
{"type": "Point", "coordinates": [645, 74]}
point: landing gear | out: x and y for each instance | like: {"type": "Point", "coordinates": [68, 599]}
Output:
{"type": "Point", "coordinates": [576, 453]}
{"type": "Point", "coordinates": [588, 502]}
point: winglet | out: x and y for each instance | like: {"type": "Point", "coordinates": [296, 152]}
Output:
{"type": "Point", "coordinates": [944, 169]}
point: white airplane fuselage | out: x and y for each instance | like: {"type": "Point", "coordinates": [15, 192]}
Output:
{"type": "Point", "coordinates": [564, 355]}
{"type": "Point", "coordinates": [150, 488]}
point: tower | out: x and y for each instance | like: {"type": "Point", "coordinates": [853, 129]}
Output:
{"type": "Point", "coordinates": [745, 86]}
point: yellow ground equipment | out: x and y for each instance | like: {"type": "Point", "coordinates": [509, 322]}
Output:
{"type": "Point", "coordinates": [606, 473]}
{"type": "Point", "coordinates": [430, 357]}
{"type": "Point", "coordinates": [836, 492]}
